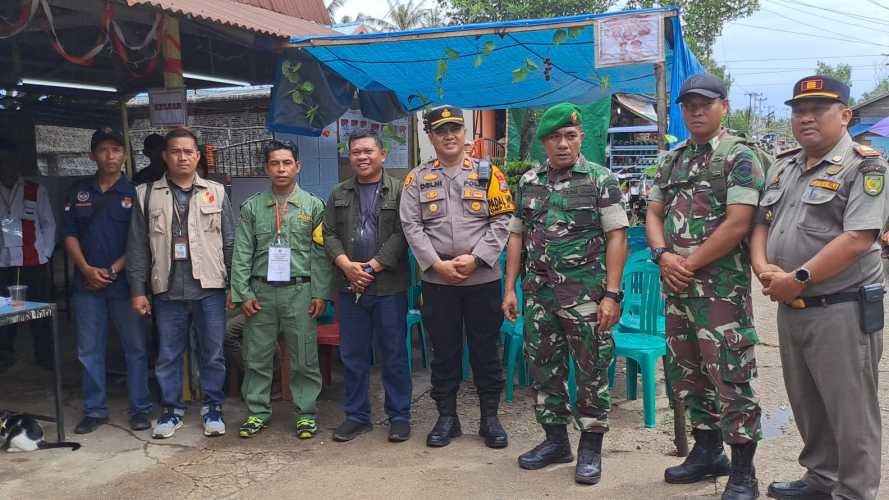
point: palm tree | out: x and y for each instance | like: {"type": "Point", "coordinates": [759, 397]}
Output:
{"type": "Point", "coordinates": [334, 6]}
{"type": "Point", "coordinates": [401, 16]}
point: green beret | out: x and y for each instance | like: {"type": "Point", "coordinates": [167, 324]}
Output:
{"type": "Point", "coordinates": [558, 116]}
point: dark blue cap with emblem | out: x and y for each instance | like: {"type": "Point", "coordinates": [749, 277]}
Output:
{"type": "Point", "coordinates": [819, 87]}
{"type": "Point", "coordinates": [105, 134]}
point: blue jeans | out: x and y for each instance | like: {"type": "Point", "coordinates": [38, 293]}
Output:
{"type": "Point", "coordinates": [92, 310]}
{"type": "Point", "coordinates": [382, 317]}
{"type": "Point", "coordinates": [208, 316]}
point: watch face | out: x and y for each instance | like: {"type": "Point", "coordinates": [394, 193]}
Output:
{"type": "Point", "coordinates": [802, 275]}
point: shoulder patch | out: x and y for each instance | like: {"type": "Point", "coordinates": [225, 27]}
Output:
{"type": "Point", "coordinates": [788, 152]}
{"type": "Point", "coordinates": [865, 151]}
{"type": "Point", "coordinates": [872, 166]}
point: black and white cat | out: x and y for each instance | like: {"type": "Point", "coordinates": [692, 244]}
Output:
{"type": "Point", "coordinates": [22, 432]}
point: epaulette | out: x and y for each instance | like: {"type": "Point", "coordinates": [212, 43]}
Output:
{"type": "Point", "coordinates": [254, 195]}
{"type": "Point", "coordinates": [865, 151]}
{"type": "Point", "coordinates": [313, 195]}
{"type": "Point", "coordinates": [788, 152]}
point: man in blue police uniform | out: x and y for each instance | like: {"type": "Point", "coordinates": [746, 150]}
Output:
{"type": "Point", "coordinates": [97, 221]}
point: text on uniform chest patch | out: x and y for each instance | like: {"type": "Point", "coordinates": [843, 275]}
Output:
{"type": "Point", "coordinates": [429, 185]}
{"type": "Point", "coordinates": [305, 217]}
{"type": "Point", "coordinates": [825, 183]}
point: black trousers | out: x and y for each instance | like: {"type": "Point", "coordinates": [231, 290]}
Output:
{"type": "Point", "coordinates": [447, 312]}
{"type": "Point", "coordinates": [37, 279]}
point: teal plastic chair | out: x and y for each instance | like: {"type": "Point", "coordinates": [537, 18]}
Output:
{"type": "Point", "coordinates": [414, 318]}
{"type": "Point", "coordinates": [642, 347]}
{"type": "Point", "coordinates": [636, 231]}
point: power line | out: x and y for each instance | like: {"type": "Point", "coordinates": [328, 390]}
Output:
{"type": "Point", "coordinates": [787, 70]}
{"type": "Point", "coordinates": [821, 17]}
{"type": "Point", "coordinates": [878, 4]}
{"type": "Point", "coordinates": [822, 37]}
{"type": "Point", "coordinates": [801, 58]}
{"type": "Point", "coordinates": [844, 14]}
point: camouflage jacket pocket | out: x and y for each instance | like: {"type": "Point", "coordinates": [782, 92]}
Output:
{"type": "Point", "coordinates": [737, 359]}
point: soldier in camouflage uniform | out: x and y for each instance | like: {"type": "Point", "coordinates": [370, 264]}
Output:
{"type": "Point", "coordinates": [570, 226]}
{"type": "Point", "coordinates": [700, 212]}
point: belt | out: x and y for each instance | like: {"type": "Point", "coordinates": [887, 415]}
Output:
{"type": "Point", "coordinates": [293, 281]}
{"type": "Point", "coordinates": [823, 300]}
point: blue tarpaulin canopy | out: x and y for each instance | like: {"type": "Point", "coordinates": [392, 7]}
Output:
{"type": "Point", "coordinates": [473, 66]}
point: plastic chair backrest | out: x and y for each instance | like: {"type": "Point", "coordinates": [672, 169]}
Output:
{"type": "Point", "coordinates": [642, 284]}
{"type": "Point", "coordinates": [413, 292]}
{"type": "Point", "coordinates": [642, 279]}
{"type": "Point", "coordinates": [636, 232]}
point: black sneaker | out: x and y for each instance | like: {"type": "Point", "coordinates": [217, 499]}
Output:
{"type": "Point", "coordinates": [140, 422]}
{"type": "Point", "coordinates": [89, 424]}
{"type": "Point", "coordinates": [349, 430]}
{"type": "Point", "coordinates": [399, 431]}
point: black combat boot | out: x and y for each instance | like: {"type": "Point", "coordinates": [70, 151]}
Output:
{"type": "Point", "coordinates": [707, 459]}
{"type": "Point", "coordinates": [447, 426]}
{"type": "Point", "coordinates": [555, 449]}
{"type": "Point", "coordinates": [589, 458]}
{"type": "Point", "coordinates": [742, 483]}
{"type": "Point", "coordinates": [489, 427]}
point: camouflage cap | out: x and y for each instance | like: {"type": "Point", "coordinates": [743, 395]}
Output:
{"type": "Point", "coordinates": [558, 116]}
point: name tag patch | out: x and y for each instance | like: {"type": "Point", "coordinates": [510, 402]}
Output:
{"type": "Point", "coordinates": [826, 184]}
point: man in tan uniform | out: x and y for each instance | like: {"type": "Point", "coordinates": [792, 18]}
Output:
{"type": "Point", "coordinates": [454, 212]}
{"type": "Point", "coordinates": [815, 250]}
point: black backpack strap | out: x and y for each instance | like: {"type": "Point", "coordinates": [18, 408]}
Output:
{"type": "Point", "coordinates": [148, 189]}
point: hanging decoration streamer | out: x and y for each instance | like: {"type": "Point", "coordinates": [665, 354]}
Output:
{"type": "Point", "coordinates": [89, 58]}
{"type": "Point", "coordinates": [24, 19]}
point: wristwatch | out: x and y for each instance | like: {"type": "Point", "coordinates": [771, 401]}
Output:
{"type": "Point", "coordinates": [111, 273]}
{"type": "Point", "coordinates": [479, 262]}
{"type": "Point", "coordinates": [657, 253]}
{"type": "Point", "coordinates": [617, 296]}
{"type": "Point", "coordinates": [802, 275]}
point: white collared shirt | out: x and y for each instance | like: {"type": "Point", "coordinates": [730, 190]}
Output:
{"type": "Point", "coordinates": [12, 211]}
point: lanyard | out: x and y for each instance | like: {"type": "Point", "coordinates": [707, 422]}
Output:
{"type": "Point", "coordinates": [178, 215]}
{"type": "Point", "coordinates": [8, 203]}
{"type": "Point", "coordinates": [279, 219]}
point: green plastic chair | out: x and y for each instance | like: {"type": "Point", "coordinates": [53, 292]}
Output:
{"type": "Point", "coordinates": [636, 231]}
{"type": "Point", "coordinates": [642, 347]}
{"type": "Point", "coordinates": [414, 318]}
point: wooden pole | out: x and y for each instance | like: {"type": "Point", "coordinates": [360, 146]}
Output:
{"type": "Point", "coordinates": [125, 128]}
{"type": "Point", "coordinates": [680, 439]}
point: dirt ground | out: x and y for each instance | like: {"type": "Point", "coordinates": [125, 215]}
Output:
{"type": "Point", "coordinates": [118, 463]}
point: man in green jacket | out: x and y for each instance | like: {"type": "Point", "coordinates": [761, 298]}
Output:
{"type": "Point", "coordinates": [281, 280]}
{"type": "Point", "coordinates": [364, 239]}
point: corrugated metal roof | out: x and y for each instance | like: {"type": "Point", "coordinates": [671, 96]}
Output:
{"type": "Point", "coordinates": [240, 15]}
{"type": "Point", "coordinates": [310, 10]}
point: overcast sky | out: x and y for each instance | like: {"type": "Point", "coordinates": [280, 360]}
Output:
{"type": "Point", "coordinates": [781, 43]}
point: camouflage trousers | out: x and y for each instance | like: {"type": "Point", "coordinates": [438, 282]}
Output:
{"type": "Point", "coordinates": [551, 334]}
{"type": "Point", "coordinates": [711, 361]}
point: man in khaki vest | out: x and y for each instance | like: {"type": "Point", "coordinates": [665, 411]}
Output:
{"type": "Point", "coordinates": [180, 243]}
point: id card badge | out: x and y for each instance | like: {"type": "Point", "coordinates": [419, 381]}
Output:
{"type": "Point", "coordinates": [180, 248]}
{"type": "Point", "coordinates": [279, 264]}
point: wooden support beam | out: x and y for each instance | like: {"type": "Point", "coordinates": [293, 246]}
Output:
{"type": "Point", "coordinates": [316, 42]}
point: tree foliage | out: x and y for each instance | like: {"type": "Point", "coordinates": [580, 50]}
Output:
{"type": "Point", "coordinates": [842, 72]}
{"type": "Point", "coordinates": [477, 11]}
{"type": "Point", "coordinates": [880, 89]}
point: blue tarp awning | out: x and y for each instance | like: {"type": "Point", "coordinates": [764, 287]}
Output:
{"type": "Point", "coordinates": [481, 58]}
{"type": "Point", "coordinates": [861, 127]}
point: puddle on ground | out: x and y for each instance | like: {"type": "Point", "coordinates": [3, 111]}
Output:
{"type": "Point", "coordinates": [776, 423]}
